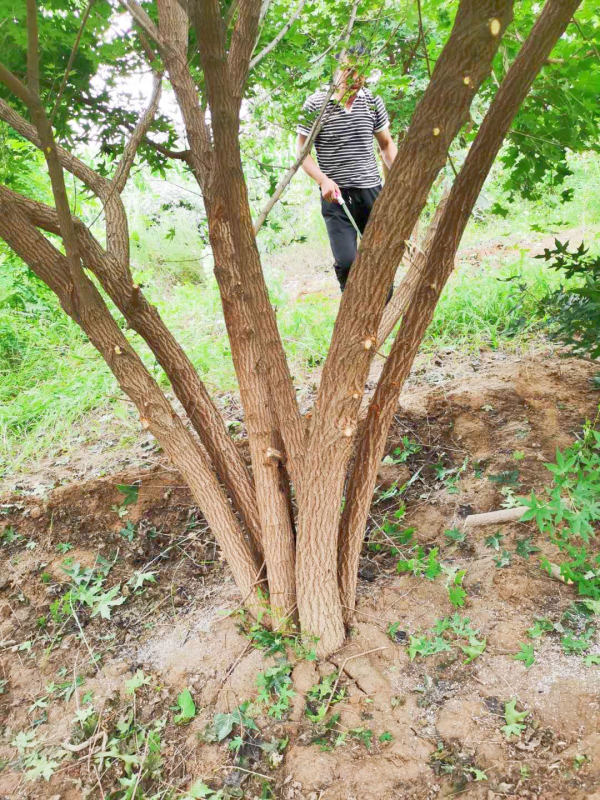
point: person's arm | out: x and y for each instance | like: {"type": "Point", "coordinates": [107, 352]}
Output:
{"type": "Point", "coordinates": [387, 146]}
{"type": "Point", "coordinates": [329, 189]}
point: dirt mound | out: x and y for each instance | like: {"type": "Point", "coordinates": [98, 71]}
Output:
{"type": "Point", "coordinates": [398, 723]}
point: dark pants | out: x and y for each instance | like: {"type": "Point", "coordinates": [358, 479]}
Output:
{"type": "Point", "coordinates": [342, 235]}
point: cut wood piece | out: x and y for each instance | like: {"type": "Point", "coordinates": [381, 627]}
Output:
{"type": "Point", "coordinates": [495, 517]}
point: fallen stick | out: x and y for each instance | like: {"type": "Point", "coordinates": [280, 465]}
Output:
{"type": "Point", "coordinates": [495, 517]}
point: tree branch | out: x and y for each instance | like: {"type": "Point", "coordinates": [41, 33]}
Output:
{"type": "Point", "coordinates": [63, 83]}
{"type": "Point", "coordinates": [146, 321]}
{"type": "Point", "coordinates": [145, 22]}
{"type": "Point", "coordinates": [243, 40]}
{"type": "Point", "coordinates": [273, 44]}
{"type": "Point", "coordinates": [33, 67]}
{"type": "Point", "coordinates": [122, 172]}
{"type": "Point", "coordinates": [156, 413]}
{"type": "Point", "coordinates": [442, 110]}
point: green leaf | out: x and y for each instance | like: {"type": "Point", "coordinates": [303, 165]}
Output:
{"type": "Point", "coordinates": [455, 535]}
{"type": "Point", "coordinates": [474, 649]}
{"type": "Point", "coordinates": [130, 491]}
{"type": "Point", "coordinates": [504, 559]}
{"type": "Point", "coordinates": [525, 548]}
{"type": "Point", "coordinates": [24, 740]}
{"type": "Point", "coordinates": [137, 681]}
{"type": "Point", "coordinates": [107, 601]}
{"type": "Point", "coordinates": [457, 596]}
{"type": "Point", "coordinates": [514, 719]}
{"type": "Point", "coordinates": [187, 708]}
{"type": "Point", "coordinates": [494, 540]}
{"type": "Point", "coordinates": [525, 654]}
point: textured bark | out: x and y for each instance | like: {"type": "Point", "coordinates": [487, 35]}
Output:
{"type": "Point", "coordinates": [422, 153]}
{"type": "Point", "coordinates": [90, 312]}
{"type": "Point", "coordinates": [399, 302]}
{"type": "Point", "coordinates": [114, 273]}
{"type": "Point", "coordinates": [173, 27]}
{"type": "Point", "coordinates": [436, 271]}
{"type": "Point", "coordinates": [144, 318]}
{"type": "Point", "coordinates": [264, 381]}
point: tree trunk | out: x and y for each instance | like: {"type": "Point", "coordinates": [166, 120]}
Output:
{"type": "Point", "coordinates": [436, 271]}
{"type": "Point", "coordinates": [144, 318]}
{"type": "Point", "coordinates": [156, 414]}
{"type": "Point", "coordinates": [423, 152]}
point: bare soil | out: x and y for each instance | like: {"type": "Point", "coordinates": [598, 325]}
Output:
{"type": "Point", "coordinates": [440, 717]}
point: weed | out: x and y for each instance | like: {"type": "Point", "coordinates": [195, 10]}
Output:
{"type": "Point", "coordinates": [525, 654]}
{"type": "Point", "coordinates": [455, 535]}
{"type": "Point", "coordinates": [425, 564]}
{"type": "Point", "coordinates": [569, 513]}
{"type": "Point", "coordinates": [539, 628]}
{"type": "Point", "coordinates": [128, 531]}
{"type": "Point", "coordinates": [524, 547]}
{"type": "Point", "coordinates": [514, 719]}
{"type": "Point", "coordinates": [275, 688]}
{"type": "Point", "coordinates": [494, 541]}
{"type": "Point", "coordinates": [456, 594]}
{"type": "Point", "coordinates": [401, 454]}
{"type": "Point", "coordinates": [322, 695]}
{"type": "Point", "coordinates": [444, 634]}
{"type": "Point", "coordinates": [503, 559]}
{"type": "Point", "coordinates": [223, 724]}
{"type": "Point", "coordinates": [447, 760]}
{"type": "Point", "coordinates": [186, 706]}
{"type": "Point", "coordinates": [572, 313]}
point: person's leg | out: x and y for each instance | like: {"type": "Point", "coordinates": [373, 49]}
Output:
{"type": "Point", "coordinates": [342, 238]}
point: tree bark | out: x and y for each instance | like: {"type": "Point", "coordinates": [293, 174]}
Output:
{"type": "Point", "coordinates": [266, 390]}
{"type": "Point", "coordinates": [422, 153]}
{"type": "Point", "coordinates": [90, 312]}
{"type": "Point", "coordinates": [436, 270]}
{"type": "Point", "coordinates": [144, 318]}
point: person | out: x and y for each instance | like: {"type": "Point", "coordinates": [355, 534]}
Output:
{"type": "Point", "coordinates": [346, 164]}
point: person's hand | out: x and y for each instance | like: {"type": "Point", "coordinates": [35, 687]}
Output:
{"type": "Point", "coordinates": [330, 190]}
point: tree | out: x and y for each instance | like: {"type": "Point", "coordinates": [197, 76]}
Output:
{"type": "Point", "coordinates": [293, 525]}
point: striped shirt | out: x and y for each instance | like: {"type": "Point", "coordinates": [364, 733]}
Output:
{"type": "Point", "coordinates": [345, 142]}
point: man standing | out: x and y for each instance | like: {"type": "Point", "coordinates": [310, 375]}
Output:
{"type": "Point", "coordinates": [346, 159]}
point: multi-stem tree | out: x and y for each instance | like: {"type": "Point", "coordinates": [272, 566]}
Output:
{"type": "Point", "coordinates": [293, 523]}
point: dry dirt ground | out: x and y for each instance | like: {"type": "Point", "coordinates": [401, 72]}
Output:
{"type": "Point", "coordinates": [430, 727]}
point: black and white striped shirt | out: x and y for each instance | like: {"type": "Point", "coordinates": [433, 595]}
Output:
{"type": "Point", "coordinates": [345, 142]}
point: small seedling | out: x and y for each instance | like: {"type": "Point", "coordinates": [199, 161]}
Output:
{"type": "Point", "coordinates": [186, 706]}
{"type": "Point", "coordinates": [503, 559]}
{"type": "Point", "coordinates": [408, 448]}
{"type": "Point", "coordinates": [524, 547]}
{"type": "Point", "coordinates": [128, 531]}
{"type": "Point", "coordinates": [323, 695]}
{"type": "Point", "coordinates": [455, 535]}
{"type": "Point", "coordinates": [422, 564]}
{"type": "Point", "coordinates": [525, 654]}
{"type": "Point", "coordinates": [275, 688]}
{"type": "Point", "coordinates": [514, 719]}
{"type": "Point", "coordinates": [223, 724]}
{"type": "Point", "coordinates": [539, 628]}
{"type": "Point", "coordinates": [456, 593]}
{"type": "Point", "coordinates": [494, 541]}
